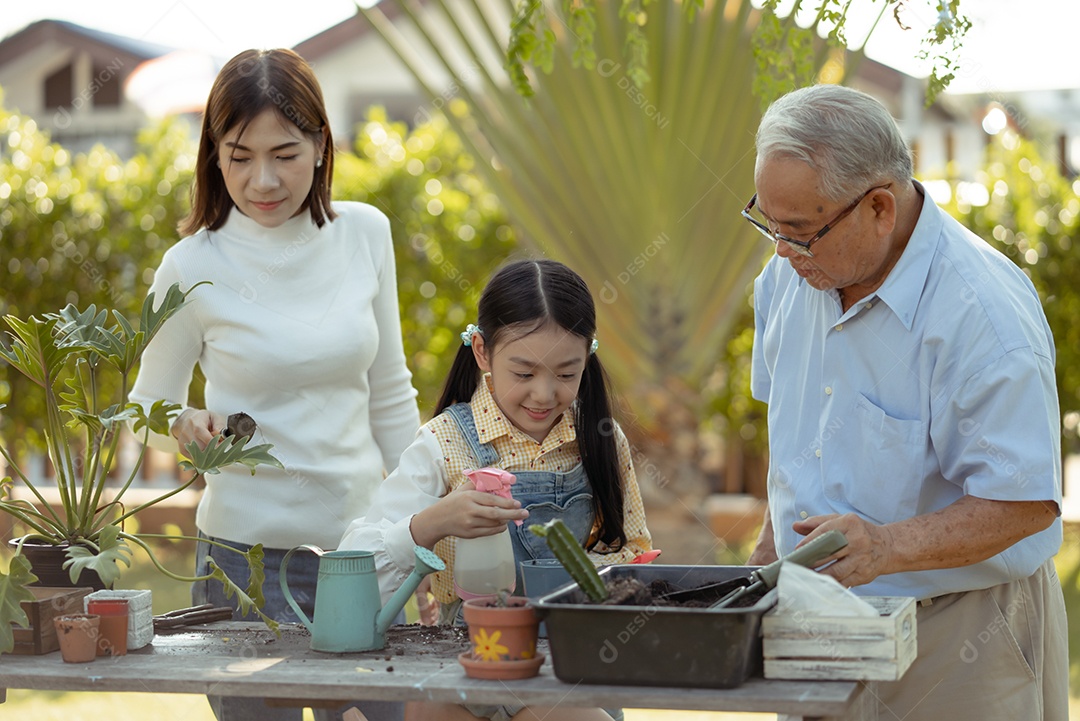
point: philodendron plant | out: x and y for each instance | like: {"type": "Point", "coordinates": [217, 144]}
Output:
{"type": "Point", "coordinates": [70, 355]}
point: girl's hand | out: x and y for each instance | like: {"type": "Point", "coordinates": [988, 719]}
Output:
{"type": "Point", "coordinates": [426, 604]}
{"type": "Point", "coordinates": [197, 425]}
{"type": "Point", "coordinates": [465, 513]}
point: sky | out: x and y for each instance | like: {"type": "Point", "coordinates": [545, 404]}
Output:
{"type": "Point", "coordinates": [1008, 48]}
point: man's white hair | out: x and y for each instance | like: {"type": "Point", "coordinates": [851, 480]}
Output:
{"type": "Point", "coordinates": [847, 136]}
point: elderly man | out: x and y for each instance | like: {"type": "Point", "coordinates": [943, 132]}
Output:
{"type": "Point", "coordinates": [909, 373]}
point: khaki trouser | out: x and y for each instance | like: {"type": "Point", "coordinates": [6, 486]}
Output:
{"type": "Point", "coordinates": [997, 653]}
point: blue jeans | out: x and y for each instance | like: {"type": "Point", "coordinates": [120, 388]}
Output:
{"type": "Point", "coordinates": [303, 574]}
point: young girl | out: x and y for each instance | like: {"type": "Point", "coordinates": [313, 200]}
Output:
{"type": "Point", "coordinates": [526, 393]}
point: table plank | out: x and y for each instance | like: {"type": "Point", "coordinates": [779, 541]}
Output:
{"type": "Point", "coordinates": [245, 659]}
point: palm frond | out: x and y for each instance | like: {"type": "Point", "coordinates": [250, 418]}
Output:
{"type": "Point", "coordinates": [638, 190]}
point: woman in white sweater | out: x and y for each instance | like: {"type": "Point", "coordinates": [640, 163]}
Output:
{"type": "Point", "coordinates": [299, 328]}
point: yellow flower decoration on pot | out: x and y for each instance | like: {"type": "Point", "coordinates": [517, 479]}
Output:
{"type": "Point", "coordinates": [488, 648]}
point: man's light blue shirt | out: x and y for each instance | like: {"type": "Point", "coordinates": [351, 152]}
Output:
{"type": "Point", "coordinates": [938, 385]}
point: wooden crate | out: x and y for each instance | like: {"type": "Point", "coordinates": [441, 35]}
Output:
{"type": "Point", "coordinates": [48, 603]}
{"type": "Point", "coordinates": [803, 647]}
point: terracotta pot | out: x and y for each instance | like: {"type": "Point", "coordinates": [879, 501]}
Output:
{"type": "Point", "coordinates": [503, 639]}
{"type": "Point", "coordinates": [140, 613]}
{"type": "Point", "coordinates": [114, 625]}
{"type": "Point", "coordinates": [78, 636]}
{"type": "Point", "coordinates": [47, 563]}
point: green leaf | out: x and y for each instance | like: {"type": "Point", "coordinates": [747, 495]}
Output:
{"type": "Point", "coordinates": [111, 551]}
{"type": "Point", "coordinates": [85, 418]}
{"type": "Point", "coordinates": [125, 326]}
{"type": "Point", "coordinates": [523, 41]}
{"type": "Point", "coordinates": [82, 329]}
{"type": "Point", "coordinates": [254, 559]}
{"type": "Point", "coordinates": [115, 414]}
{"type": "Point", "coordinates": [151, 320]}
{"type": "Point", "coordinates": [247, 603]}
{"type": "Point", "coordinates": [13, 592]}
{"type": "Point", "coordinates": [222, 452]}
{"type": "Point", "coordinates": [86, 330]}
{"type": "Point", "coordinates": [108, 418]}
{"type": "Point", "coordinates": [33, 352]}
{"type": "Point", "coordinates": [78, 395]}
{"type": "Point", "coordinates": [158, 419]}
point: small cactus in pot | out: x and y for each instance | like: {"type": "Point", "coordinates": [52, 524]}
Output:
{"type": "Point", "coordinates": [573, 558]}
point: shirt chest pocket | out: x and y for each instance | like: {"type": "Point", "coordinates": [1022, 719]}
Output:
{"type": "Point", "coordinates": [876, 464]}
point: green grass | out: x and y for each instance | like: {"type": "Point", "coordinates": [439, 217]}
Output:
{"type": "Point", "coordinates": [61, 706]}
{"type": "Point", "coordinates": [1068, 568]}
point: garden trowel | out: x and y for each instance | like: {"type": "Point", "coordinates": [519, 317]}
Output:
{"type": "Point", "coordinates": [764, 578]}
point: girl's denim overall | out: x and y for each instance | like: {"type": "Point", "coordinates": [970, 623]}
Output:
{"type": "Point", "coordinates": [544, 494]}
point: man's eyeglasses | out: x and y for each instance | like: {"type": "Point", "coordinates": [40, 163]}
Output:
{"type": "Point", "coordinates": [802, 247]}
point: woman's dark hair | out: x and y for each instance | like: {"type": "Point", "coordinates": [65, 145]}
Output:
{"type": "Point", "coordinates": [254, 81]}
{"type": "Point", "coordinates": [524, 297]}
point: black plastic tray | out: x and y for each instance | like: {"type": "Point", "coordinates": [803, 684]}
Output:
{"type": "Point", "coordinates": [654, 645]}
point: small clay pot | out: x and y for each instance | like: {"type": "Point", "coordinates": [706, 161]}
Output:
{"type": "Point", "coordinates": [77, 634]}
{"type": "Point", "coordinates": [114, 624]}
{"type": "Point", "coordinates": [501, 635]}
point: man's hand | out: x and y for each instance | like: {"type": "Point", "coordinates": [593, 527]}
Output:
{"type": "Point", "coordinates": [967, 531]}
{"type": "Point", "coordinates": [868, 553]}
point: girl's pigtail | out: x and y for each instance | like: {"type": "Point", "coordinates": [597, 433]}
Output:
{"type": "Point", "coordinates": [596, 430]}
{"type": "Point", "coordinates": [461, 381]}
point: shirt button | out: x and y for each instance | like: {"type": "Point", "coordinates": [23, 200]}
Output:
{"type": "Point", "coordinates": [828, 390]}
{"type": "Point", "coordinates": [840, 326]}
{"type": "Point", "coordinates": [803, 514]}
{"type": "Point", "coordinates": [868, 306]}
{"type": "Point", "coordinates": [818, 453]}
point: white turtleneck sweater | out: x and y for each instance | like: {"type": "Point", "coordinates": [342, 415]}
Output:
{"type": "Point", "coordinates": [300, 330]}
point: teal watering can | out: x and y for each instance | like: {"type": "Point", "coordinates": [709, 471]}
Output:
{"type": "Point", "coordinates": [348, 616]}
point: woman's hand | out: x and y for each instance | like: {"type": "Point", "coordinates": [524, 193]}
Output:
{"type": "Point", "coordinates": [197, 425]}
{"type": "Point", "coordinates": [465, 513]}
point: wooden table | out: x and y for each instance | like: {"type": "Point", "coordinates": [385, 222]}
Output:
{"type": "Point", "coordinates": [245, 659]}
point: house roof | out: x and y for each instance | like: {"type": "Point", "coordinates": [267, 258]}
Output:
{"type": "Point", "coordinates": [890, 82]}
{"type": "Point", "coordinates": [103, 47]}
{"type": "Point", "coordinates": [346, 31]}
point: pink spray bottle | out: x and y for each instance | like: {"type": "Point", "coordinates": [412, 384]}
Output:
{"type": "Point", "coordinates": [484, 566]}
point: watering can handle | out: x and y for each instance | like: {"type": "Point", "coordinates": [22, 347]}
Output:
{"type": "Point", "coordinates": [285, 584]}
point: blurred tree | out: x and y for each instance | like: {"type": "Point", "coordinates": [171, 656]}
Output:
{"type": "Point", "coordinates": [1032, 214]}
{"type": "Point", "coordinates": [639, 191]}
{"type": "Point", "coordinates": [92, 228]}
{"type": "Point", "coordinates": [450, 233]}
{"type": "Point", "coordinates": [80, 230]}
{"type": "Point", "coordinates": [783, 50]}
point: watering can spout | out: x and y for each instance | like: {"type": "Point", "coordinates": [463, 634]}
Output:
{"type": "Point", "coordinates": [426, 562]}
